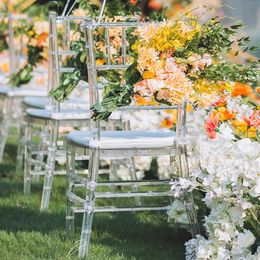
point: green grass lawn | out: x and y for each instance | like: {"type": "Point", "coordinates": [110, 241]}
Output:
{"type": "Point", "coordinates": [26, 233]}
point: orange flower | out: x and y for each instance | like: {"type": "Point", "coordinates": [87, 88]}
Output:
{"type": "Point", "coordinates": [41, 39]}
{"type": "Point", "coordinates": [257, 90]}
{"type": "Point", "coordinates": [241, 90]}
{"type": "Point", "coordinates": [211, 126]}
{"type": "Point", "coordinates": [133, 2]}
{"type": "Point", "coordinates": [148, 75]}
{"type": "Point", "coordinates": [167, 123]}
{"type": "Point", "coordinates": [154, 5]}
{"type": "Point", "coordinates": [225, 114]}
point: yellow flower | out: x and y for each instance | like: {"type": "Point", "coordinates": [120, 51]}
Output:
{"type": "Point", "coordinates": [100, 62]}
{"type": "Point", "coordinates": [252, 132]}
{"type": "Point", "coordinates": [189, 108]}
{"type": "Point", "coordinates": [240, 126]}
{"type": "Point", "coordinates": [135, 46]}
{"type": "Point", "coordinates": [4, 67]}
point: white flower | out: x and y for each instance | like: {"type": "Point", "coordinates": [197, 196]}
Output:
{"type": "Point", "coordinates": [226, 131]}
{"type": "Point", "coordinates": [249, 147]}
{"type": "Point", "coordinates": [177, 212]}
{"type": "Point", "coordinates": [245, 239]}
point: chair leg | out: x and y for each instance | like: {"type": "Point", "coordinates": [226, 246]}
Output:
{"type": "Point", "coordinates": [5, 125]}
{"type": "Point", "coordinates": [20, 148]}
{"type": "Point", "coordinates": [70, 154]}
{"type": "Point", "coordinates": [27, 159]}
{"type": "Point", "coordinates": [133, 177]}
{"type": "Point", "coordinates": [188, 197]}
{"type": "Point", "coordinates": [89, 203]}
{"type": "Point", "coordinates": [38, 166]}
{"type": "Point", "coordinates": [50, 164]}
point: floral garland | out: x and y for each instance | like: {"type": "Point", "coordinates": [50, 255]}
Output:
{"type": "Point", "coordinates": [179, 60]}
{"type": "Point", "coordinates": [35, 54]}
{"type": "Point", "coordinates": [123, 8]}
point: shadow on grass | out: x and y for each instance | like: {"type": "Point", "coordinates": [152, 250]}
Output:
{"type": "Point", "coordinates": [19, 218]}
{"type": "Point", "coordinates": [133, 234]}
{"type": "Point", "coordinates": [9, 188]}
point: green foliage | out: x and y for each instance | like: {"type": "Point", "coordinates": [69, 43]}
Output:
{"type": "Point", "coordinates": [34, 55]}
{"type": "Point", "coordinates": [231, 72]}
{"type": "Point", "coordinates": [115, 96]}
{"type": "Point", "coordinates": [23, 76]}
{"type": "Point", "coordinates": [69, 81]}
{"type": "Point", "coordinates": [214, 39]}
{"type": "Point", "coordinates": [3, 36]}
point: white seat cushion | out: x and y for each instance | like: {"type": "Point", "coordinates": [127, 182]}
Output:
{"type": "Point", "coordinates": [43, 103]}
{"type": "Point", "coordinates": [65, 114]}
{"type": "Point", "coordinates": [23, 91]}
{"type": "Point", "coordinates": [124, 139]}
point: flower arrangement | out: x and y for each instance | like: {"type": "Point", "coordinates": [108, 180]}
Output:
{"type": "Point", "coordinates": [229, 178]}
{"type": "Point", "coordinates": [224, 178]}
{"type": "Point", "coordinates": [236, 116]}
{"type": "Point", "coordinates": [176, 61]}
{"type": "Point", "coordinates": [36, 52]}
{"type": "Point", "coordinates": [130, 9]}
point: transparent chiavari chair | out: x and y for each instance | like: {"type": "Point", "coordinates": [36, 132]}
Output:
{"type": "Point", "coordinates": [99, 144]}
{"type": "Point", "coordinates": [51, 119]}
{"type": "Point", "coordinates": [11, 96]}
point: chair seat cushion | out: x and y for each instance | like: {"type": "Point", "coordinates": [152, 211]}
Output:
{"type": "Point", "coordinates": [23, 91]}
{"type": "Point", "coordinates": [124, 139]}
{"type": "Point", "coordinates": [65, 114]}
{"type": "Point", "coordinates": [76, 114]}
{"type": "Point", "coordinates": [44, 103]}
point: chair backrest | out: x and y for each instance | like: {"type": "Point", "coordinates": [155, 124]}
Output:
{"type": "Point", "coordinates": [16, 40]}
{"type": "Point", "coordinates": [59, 49]}
{"type": "Point", "coordinates": [124, 30]}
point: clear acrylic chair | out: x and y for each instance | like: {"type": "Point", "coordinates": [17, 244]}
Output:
{"type": "Point", "coordinates": [11, 96]}
{"type": "Point", "coordinates": [51, 119]}
{"type": "Point", "coordinates": [99, 144]}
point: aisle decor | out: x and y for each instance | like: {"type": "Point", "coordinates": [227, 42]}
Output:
{"type": "Point", "coordinates": [179, 60]}
{"type": "Point", "coordinates": [229, 179]}
{"type": "Point", "coordinates": [236, 116]}
{"type": "Point", "coordinates": [37, 51]}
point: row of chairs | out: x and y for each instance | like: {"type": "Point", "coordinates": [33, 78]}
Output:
{"type": "Point", "coordinates": [40, 138]}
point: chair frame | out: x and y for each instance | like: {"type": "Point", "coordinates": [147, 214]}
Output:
{"type": "Point", "coordinates": [11, 100]}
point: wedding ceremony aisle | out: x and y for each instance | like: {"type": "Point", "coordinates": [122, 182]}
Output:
{"type": "Point", "coordinates": [130, 129]}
